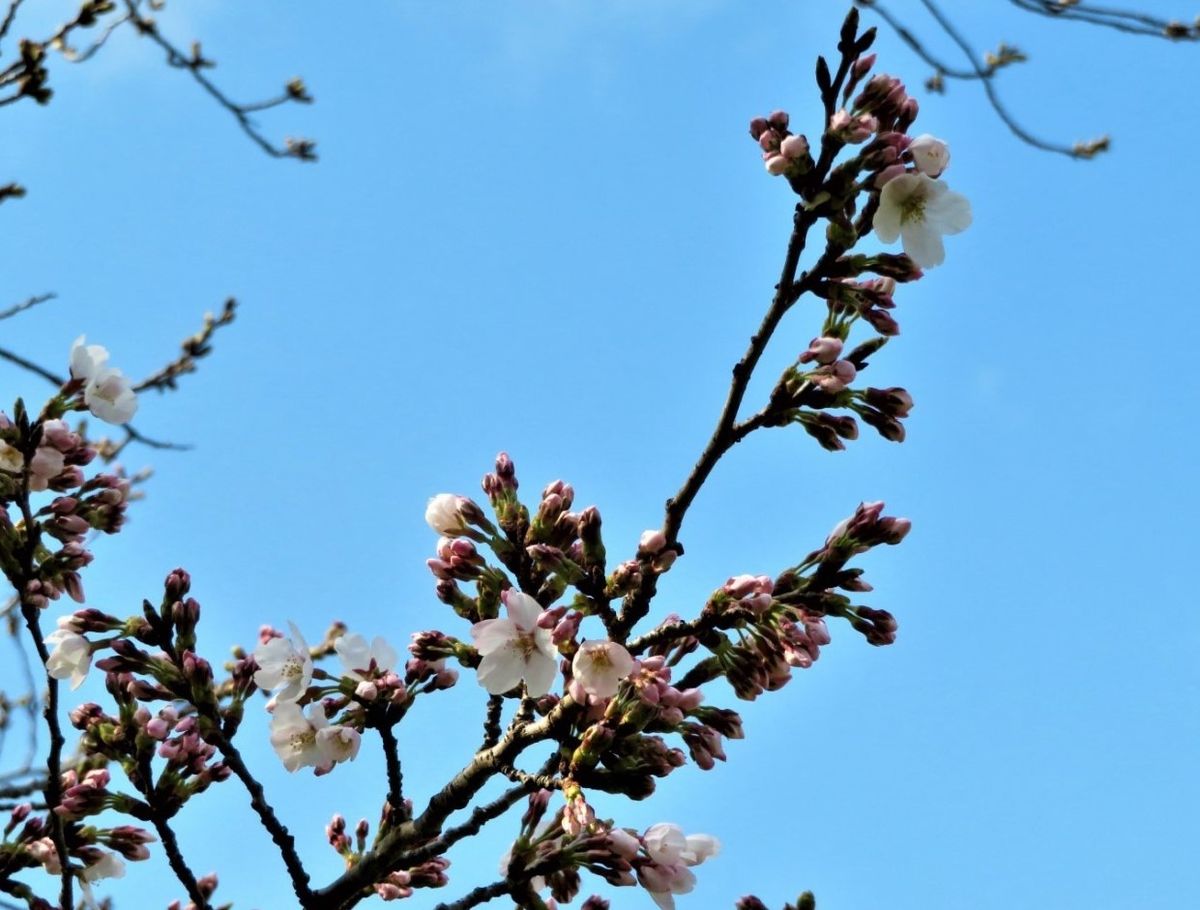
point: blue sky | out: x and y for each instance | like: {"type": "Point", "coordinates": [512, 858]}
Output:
{"type": "Point", "coordinates": [540, 227]}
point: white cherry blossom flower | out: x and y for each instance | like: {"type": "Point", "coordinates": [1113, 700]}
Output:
{"type": "Point", "coordinates": [284, 665]}
{"type": "Point", "coordinates": [919, 209]}
{"type": "Point", "coordinates": [930, 155]}
{"type": "Point", "coordinates": [338, 743]}
{"type": "Point", "coordinates": [109, 865]}
{"type": "Point", "coordinates": [671, 854]}
{"type": "Point", "coordinates": [600, 666]}
{"type": "Point", "coordinates": [294, 736]}
{"type": "Point", "coordinates": [71, 655]}
{"type": "Point", "coordinates": [362, 660]}
{"type": "Point", "coordinates": [11, 459]}
{"type": "Point", "coordinates": [444, 516]}
{"type": "Point", "coordinates": [87, 359]}
{"type": "Point", "coordinates": [515, 648]}
{"type": "Point", "coordinates": [110, 396]}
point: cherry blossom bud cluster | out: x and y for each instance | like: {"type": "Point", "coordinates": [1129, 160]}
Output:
{"type": "Point", "coordinates": [852, 128]}
{"type": "Point", "coordinates": [870, 300]}
{"type": "Point", "coordinates": [750, 592]}
{"type": "Point", "coordinates": [783, 152]}
{"type": "Point", "coordinates": [886, 99]}
{"type": "Point", "coordinates": [866, 528]}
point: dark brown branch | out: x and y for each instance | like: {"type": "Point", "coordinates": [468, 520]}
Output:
{"type": "Point", "coordinates": [26, 305]}
{"type": "Point", "coordinates": [90, 51]}
{"type": "Point", "coordinates": [990, 90]}
{"type": "Point", "coordinates": [1130, 22]}
{"type": "Point", "coordinates": [193, 348]}
{"type": "Point", "coordinates": [32, 616]}
{"type": "Point", "coordinates": [9, 17]}
{"type": "Point", "coordinates": [32, 367]}
{"type": "Point", "coordinates": [395, 777]}
{"type": "Point", "coordinates": [456, 794]}
{"type": "Point", "coordinates": [194, 64]}
{"type": "Point", "coordinates": [166, 835]}
{"type": "Point", "coordinates": [480, 895]}
{"type": "Point", "coordinates": [266, 815]}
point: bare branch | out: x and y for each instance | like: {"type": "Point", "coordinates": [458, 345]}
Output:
{"type": "Point", "coordinates": [26, 305]}
{"type": "Point", "coordinates": [195, 64]}
{"type": "Point", "coordinates": [193, 348]}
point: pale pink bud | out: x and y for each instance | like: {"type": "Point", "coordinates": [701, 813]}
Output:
{"type": "Point", "coordinates": [776, 165]}
{"type": "Point", "coordinates": [824, 350]}
{"type": "Point", "coordinates": [794, 147]}
{"type": "Point", "coordinates": [930, 155]}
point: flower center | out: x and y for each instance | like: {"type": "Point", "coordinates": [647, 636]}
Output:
{"type": "Point", "coordinates": [912, 209]}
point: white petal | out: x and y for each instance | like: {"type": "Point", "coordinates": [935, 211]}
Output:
{"type": "Point", "coordinates": [924, 245]}
{"type": "Point", "coordinates": [522, 609]}
{"type": "Point", "coordinates": [493, 634]}
{"type": "Point", "coordinates": [384, 654]}
{"type": "Point", "coordinates": [886, 223]}
{"type": "Point", "coordinates": [500, 670]}
{"type": "Point", "coordinates": [539, 674]}
{"type": "Point", "coordinates": [951, 213]}
{"type": "Point", "coordinates": [702, 847]}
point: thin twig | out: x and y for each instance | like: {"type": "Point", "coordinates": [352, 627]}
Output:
{"type": "Point", "coordinates": [266, 815]}
{"type": "Point", "coordinates": [32, 367]}
{"type": "Point", "coordinates": [26, 305]}
{"type": "Point", "coordinates": [299, 149]}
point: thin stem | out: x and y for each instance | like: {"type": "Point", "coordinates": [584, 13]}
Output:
{"type": "Point", "coordinates": [176, 58]}
{"type": "Point", "coordinates": [266, 815]}
{"type": "Point", "coordinates": [175, 857]}
{"type": "Point", "coordinates": [395, 777]}
{"type": "Point", "coordinates": [480, 895]}
{"type": "Point", "coordinates": [32, 616]}
{"type": "Point", "coordinates": [25, 305]}
{"type": "Point", "coordinates": [31, 367]}
{"type": "Point", "coordinates": [723, 436]}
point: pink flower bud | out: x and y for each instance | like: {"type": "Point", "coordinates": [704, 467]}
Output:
{"type": "Point", "coordinates": [776, 165]}
{"type": "Point", "coordinates": [823, 350]}
{"type": "Point", "coordinates": [794, 147]}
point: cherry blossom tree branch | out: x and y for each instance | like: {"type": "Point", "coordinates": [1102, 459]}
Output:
{"type": "Point", "coordinates": [25, 305]}
{"type": "Point", "coordinates": [160, 818]}
{"type": "Point", "coordinates": [9, 17]}
{"type": "Point", "coordinates": [195, 64]}
{"type": "Point", "coordinates": [31, 612]}
{"type": "Point", "coordinates": [455, 795]}
{"type": "Point", "coordinates": [194, 347]}
{"type": "Point", "coordinates": [1131, 22]}
{"type": "Point", "coordinates": [280, 835]}
{"type": "Point", "coordinates": [984, 71]}
{"type": "Point", "coordinates": [395, 777]}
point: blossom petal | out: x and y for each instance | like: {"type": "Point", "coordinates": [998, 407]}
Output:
{"type": "Point", "coordinates": [539, 674]}
{"type": "Point", "coordinates": [522, 609]}
{"type": "Point", "coordinates": [924, 245]}
{"type": "Point", "coordinates": [887, 220]}
{"type": "Point", "coordinates": [500, 670]}
{"type": "Point", "coordinates": [951, 212]}
{"type": "Point", "coordinates": [492, 634]}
